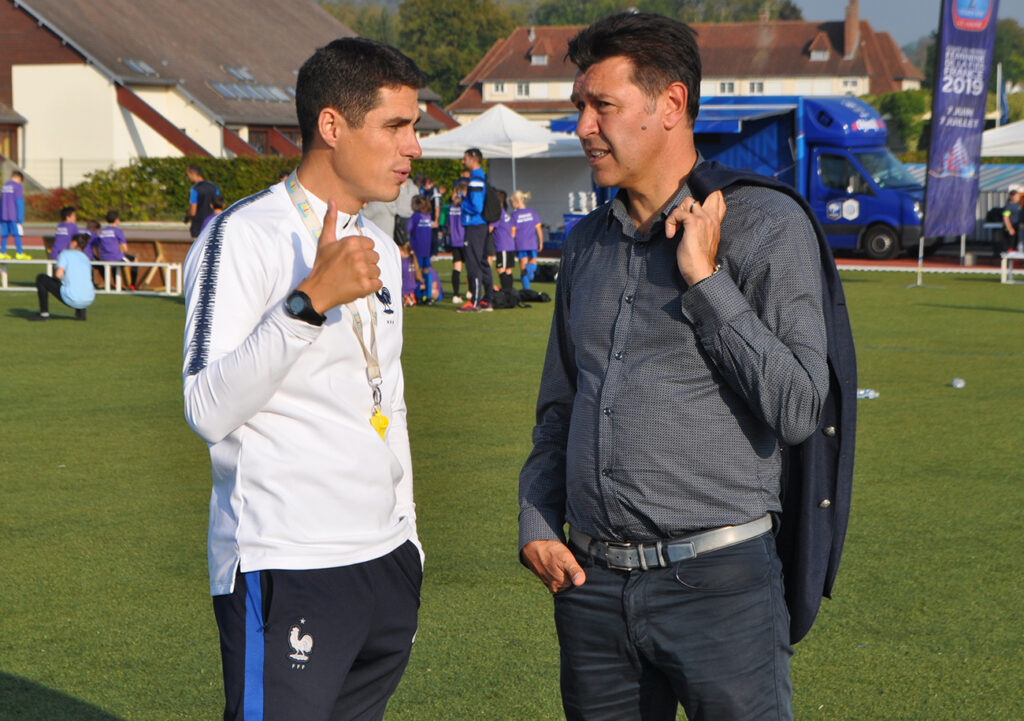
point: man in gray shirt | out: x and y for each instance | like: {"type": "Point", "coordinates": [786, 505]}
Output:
{"type": "Point", "coordinates": [687, 344]}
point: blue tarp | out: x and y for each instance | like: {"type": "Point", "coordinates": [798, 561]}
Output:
{"type": "Point", "coordinates": [730, 119]}
{"type": "Point", "coordinates": [717, 119]}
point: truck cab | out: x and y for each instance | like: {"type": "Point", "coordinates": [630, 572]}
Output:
{"type": "Point", "coordinates": [832, 150]}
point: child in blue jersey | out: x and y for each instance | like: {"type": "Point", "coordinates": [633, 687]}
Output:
{"type": "Point", "coordinates": [528, 235]}
{"type": "Point", "coordinates": [12, 216]}
{"type": "Point", "coordinates": [66, 229]}
{"type": "Point", "coordinates": [72, 283]}
{"type": "Point", "coordinates": [421, 230]}
{"type": "Point", "coordinates": [504, 245]}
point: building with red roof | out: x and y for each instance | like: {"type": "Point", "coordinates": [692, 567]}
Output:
{"type": "Point", "coordinates": [528, 70]}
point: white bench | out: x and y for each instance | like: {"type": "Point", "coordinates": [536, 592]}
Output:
{"type": "Point", "coordinates": [172, 273]}
{"type": "Point", "coordinates": [1006, 265]}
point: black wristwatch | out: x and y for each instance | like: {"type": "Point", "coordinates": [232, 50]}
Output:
{"type": "Point", "coordinates": [298, 305]}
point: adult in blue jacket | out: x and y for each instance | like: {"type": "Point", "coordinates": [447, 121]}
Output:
{"type": "Point", "coordinates": [478, 270]}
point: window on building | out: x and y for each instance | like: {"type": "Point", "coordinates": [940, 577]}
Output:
{"type": "Point", "coordinates": [851, 84]}
{"type": "Point", "coordinates": [756, 87]}
{"type": "Point", "coordinates": [240, 73]}
{"type": "Point", "coordinates": [499, 87]}
{"type": "Point", "coordinates": [819, 56]}
{"type": "Point", "coordinates": [522, 90]}
{"type": "Point", "coordinates": [727, 87]}
{"type": "Point", "coordinates": [139, 66]}
{"type": "Point", "coordinates": [9, 142]}
{"type": "Point", "coordinates": [258, 139]}
{"type": "Point", "coordinates": [293, 134]}
{"type": "Point", "coordinates": [538, 60]}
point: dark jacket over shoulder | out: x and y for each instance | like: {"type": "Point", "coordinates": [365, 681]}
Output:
{"type": "Point", "coordinates": [818, 473]}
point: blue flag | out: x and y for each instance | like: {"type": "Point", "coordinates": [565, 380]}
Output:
{"type": "Point", "coordinates": [964, 58]}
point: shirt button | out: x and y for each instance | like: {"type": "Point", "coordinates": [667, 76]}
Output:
{"type": "Point", "coordinates": [629, 299]}
{"type": "Point", "coordinates": [618, 356]}
{"type": "Point", "coordinates": [825, 503]}
{"type": "Point", "coordinates": [606, 472]}
{"type": "Point", "coordinates": [606, 410]}
{"type": "Point", "coordinates": [829, 431]}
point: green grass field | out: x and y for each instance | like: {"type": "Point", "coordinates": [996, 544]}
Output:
{"type": "Point", "coordinates": [104, 612]}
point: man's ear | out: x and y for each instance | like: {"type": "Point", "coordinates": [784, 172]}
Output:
{"type": "Point", "coordinates": [674, 100]}
{"type": "Point", "coordinates": [330, 125]}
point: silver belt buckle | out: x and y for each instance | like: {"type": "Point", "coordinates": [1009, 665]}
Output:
{"type": "Point", "coordinates": [620, 550]}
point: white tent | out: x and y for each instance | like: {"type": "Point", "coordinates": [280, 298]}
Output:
{"type": "Point", "coordinates": [502, 133]}
{"type": "Point", "coordinates": [1007, 140]}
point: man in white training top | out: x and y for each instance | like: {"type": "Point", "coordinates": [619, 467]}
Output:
{"type": "Point", "coordinates": [292, 375]}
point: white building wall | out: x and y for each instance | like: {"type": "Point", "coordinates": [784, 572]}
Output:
{"type": "Point", "coordinates": [75, 124]}
{"type": "Point", "coordinates": [184, 114]}
{"type": "Point", "coordinates": [71, 112]}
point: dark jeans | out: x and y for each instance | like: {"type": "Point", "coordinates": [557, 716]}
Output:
{"type": "Point", "coordinates": [710, 633]}
{"type": "Point", "coordinates": [478, 270]}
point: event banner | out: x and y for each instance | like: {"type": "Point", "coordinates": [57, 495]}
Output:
{"type": "Point", "coordinates": [964, 57]}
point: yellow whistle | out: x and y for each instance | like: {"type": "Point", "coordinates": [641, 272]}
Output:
{"type": "Point", "coordinates": [379, 421]}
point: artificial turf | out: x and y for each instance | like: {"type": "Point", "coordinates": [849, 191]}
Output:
{"type": "Point", "coordinates": [104, 612]}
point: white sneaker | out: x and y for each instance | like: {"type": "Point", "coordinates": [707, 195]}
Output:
{"type": "Point", "coordinates": [457, 300]}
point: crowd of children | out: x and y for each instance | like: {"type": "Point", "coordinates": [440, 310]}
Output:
{"type": "Point", "coordinates": [516, 238]}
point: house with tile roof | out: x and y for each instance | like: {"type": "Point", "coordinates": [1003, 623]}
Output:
{"type": "Point", "coordinates": [97, 84]}
{"type": "Point", "coordinates": [528, 70]}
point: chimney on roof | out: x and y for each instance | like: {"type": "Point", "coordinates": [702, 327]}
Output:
{"type": "Point", "coordinates": [851, 30]}
{"type": "Point", "coordinates": [533, 35]}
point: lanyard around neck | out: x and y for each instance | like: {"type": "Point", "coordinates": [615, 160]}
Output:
{"type": "Point", "coordinates": [315, 227]}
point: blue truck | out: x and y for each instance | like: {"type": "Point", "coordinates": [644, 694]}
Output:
{"type": "Point", "coordinates": [832, 150]}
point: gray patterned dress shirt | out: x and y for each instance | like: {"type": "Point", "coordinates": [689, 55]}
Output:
{"type": "Point", "coordinates": [662, 407]}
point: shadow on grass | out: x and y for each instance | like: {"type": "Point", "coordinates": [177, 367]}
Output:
{"type": "Point", "coordinates": [32, 312]}
{"type": "Point", "coordinates": [990, 309]}
{"type": "Point", "coordinates": [22, 700]}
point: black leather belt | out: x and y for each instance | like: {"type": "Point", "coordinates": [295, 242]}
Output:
{"type": "Point", "coordinates": [658, 554]}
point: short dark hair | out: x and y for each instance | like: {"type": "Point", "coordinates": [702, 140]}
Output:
{"type": "Point", "coordinates": [193, 168]}
{"type": "Point", "coordinates": [81, 238]}
{"type": "Point", "coordinates": [348, 75]}
{"type": "Point", "coordinates": [661, 49]}
{"type": "Point", "coordinates": [66, 212]}
{"type": "Point", "coordinates": [475, 153]}
{"type": "Point", "coordinates": [17, 174]}
{"type": "Point", "coordinates": [112, 215]}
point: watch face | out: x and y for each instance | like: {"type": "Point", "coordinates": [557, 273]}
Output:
{"type": "Point", "coordinates": [296, 304]}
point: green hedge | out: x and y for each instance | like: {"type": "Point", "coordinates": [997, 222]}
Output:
{"type": "Point", "coordinates": [156, 189]}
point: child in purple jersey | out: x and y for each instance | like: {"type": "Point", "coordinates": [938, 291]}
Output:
{"type": "Point", "coordinates": [12, 215]}
{"type": "Point", "coordinates": [66, 230]}
{"type": "Point", "coordinates": [218, 207]}
{"type": "Point", "coordinates": [458, 237]}
{"type": "Point", "coordinates": [114, 247]}
{"type": "Point", "coordinates": [504, 245]}
{"type": "Point", "coordinates": [421, 230]}
{"type": "Point", "coordinates": [528, 235]}
{"type": "Point", "coordinates": [411, 275]}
